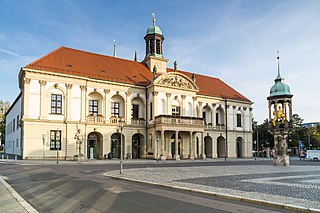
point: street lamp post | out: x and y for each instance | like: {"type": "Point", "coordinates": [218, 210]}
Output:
{"type": "Point", "coordinates": [43, 144]}
{"type": "Point", "coordinates": [157, 139]}
{"type": "Point", "coordinates": [121, 124]}
{"type": "Point", "coordinates": [255, 147]}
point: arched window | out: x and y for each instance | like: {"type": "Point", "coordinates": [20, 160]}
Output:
{"type": "Point", "coordinates": [175, 108]}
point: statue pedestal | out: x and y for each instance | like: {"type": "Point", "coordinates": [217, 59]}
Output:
{"type": "Point", "coordinates": [80, 157]}
{"type": "Point", "coordinates": [281, 160]}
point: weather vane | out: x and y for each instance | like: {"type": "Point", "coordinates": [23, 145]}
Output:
{"type": "Point", "coordinates": [154, 18]}
{"type": "Point", "coordinates": [278, 55]}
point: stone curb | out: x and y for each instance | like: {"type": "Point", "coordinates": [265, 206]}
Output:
{"type": "Point", "coordinates": [20, 200]}
{"type": "Point", "coordinates": [226, 196]}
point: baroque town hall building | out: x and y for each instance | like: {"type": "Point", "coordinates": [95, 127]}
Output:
{"type": "Point", "coordinates": [167, 113]}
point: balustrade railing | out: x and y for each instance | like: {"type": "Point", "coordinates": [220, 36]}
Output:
{"type": "Point", "coordinates": [167, 119]}
{"type": "Point", "coordinates": [95, 119]}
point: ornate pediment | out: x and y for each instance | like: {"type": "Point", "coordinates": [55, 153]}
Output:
{"type": "Point", "coordinates": [175, 80]}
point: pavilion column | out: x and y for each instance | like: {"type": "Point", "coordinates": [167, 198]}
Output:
{"type": "Point", "coordinates": [290, 111]}
{"type": "Point", "coordinates": [83, 103]}
{"type": "Point", "coordinates": [162, 156]}
{"type": "Point", "coordinates": [26, 92]}
{"type": "Point", "coordinates": [269, 106]}
{"type": "Point", "coordinates": [176, 153]}
{"type": "Point", "coordinates": [68, 102]}
{"type": "Point", "coordinates": [107, 107]}
{"type": "Point", "coordinates": [169, 112]}
{"type": "Point", "coordinates": [191, 155]}
{"type": "Point", "coordinates": [128, 108]}
{"type": "Point", "coordinates": [43, 103]}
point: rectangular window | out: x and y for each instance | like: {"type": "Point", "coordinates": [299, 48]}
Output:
{"type": "Point", "coordinates": [17, 121]}
{"type": "Point", "coordinates": [204, 117]}
{"type": "Point", "coordinates": [55, 139]}
{"type": "Point", "coordinates": [93, 107]}
{"type": "Point", "coordinates": [238, 120]}
{"type": "Point", "coordinates": [115, 109]}
{"type": "Point", "coordinates": [17, 144]}
{"type": "Point", "coordinates": [176, 111]}
{"type": "Point", "coordinates": [217, 119]}
{"type": "Point", "coordinates": [56, 104]}
{"type": "Point", "coordinates": [135, 111]}
{"type": "Point", "coordinates": [14, 125]}
{"type": "Point", "coordinates": [151, 114]}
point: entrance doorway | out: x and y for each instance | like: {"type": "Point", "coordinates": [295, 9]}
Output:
{"type": "Point", "coordinates": [221, 147]}
{"type": "Point", "coordinates": [173, 145]}
{"type": "Point", "coordinates": [94, 146]}
{"type": "Point", "coordinates": [208, 146]}
{"type": "Point", "coordinates": [136, 146]}
{"type": "Point", "coordinates": [115, 145]}
{"type": "Point", "coordinates": [239, 147]}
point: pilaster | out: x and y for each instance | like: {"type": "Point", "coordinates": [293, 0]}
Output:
{"type": "Point", "coordinates": [26, 93]}
{"type": "Point", "coordinates": [128, 107]}
{"type": "Point", "coordinates": [155, 104]}
{"type": "Point", "coordinates": [194, 106]}
{"type": "Point", "coordinates": [68, 102]}
{"type": "Point", "coordinates": [43, 105]}
{"type": "Point", "coordinates": [183, 105]}
{"type": "Point", "coordinates": [83, 103]}
{"type": "Point", "coordinates": [107, 106]}
{"type": "Point", "coordinates": [169, 110]}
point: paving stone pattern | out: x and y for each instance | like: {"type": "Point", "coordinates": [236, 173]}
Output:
{"type": "Point", "coordinates": [293, 185]}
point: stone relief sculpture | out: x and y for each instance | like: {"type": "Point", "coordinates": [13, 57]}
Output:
{"type": "Point", "coordinates": [174, 80]}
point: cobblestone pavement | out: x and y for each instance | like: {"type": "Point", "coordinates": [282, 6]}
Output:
{"type": "Point", "coordinates": [293, 186]}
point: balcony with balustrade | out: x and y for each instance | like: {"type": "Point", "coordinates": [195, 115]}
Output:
{"type": "Point", "coordinates": [179, 123]}
{"type": "Point", "coordinates": [95, 119]}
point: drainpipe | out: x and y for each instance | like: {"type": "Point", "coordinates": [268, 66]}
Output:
{"type": "Point", "coordinates": [147, 121]}
{"type": "Point", "coordinates": [226, 144]}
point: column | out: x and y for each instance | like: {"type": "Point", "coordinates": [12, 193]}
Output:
{"type": "Point", "coordinates": [162, 157]}
{"type": "Point", "coordinates": [191, 156]}
{"type": "Point", "coordinates": [107, 107]}
{"type": "Point", "coordinates": [226, 117]}
{"type": "Point", "coordinates": [203, 154]}
{"type": "Point", "coordinates": [200, 110]}
{"type": "Point", "coordinates": [169, 112]}
{"type": "Point", "coordinates": [83, 103]}
{"type": "Point", "coordinates": [68, 102]}
{"type": "Point", "coordinates": [214, 107]}
{"type": "Point", "coordinates": [250, 119]}
{"type": "Point", "coordinates": [234, 117]}
{"type": "Point", "coordinates": [284, 107]}
{"type": "Point", "coordinates": [155, 104]}
{"type": "Point", "coordinates": [42, 114]}
{"type": "Point", "coordinates": [128, 108]}
{"type": "Point", "coordinates": [244, 118]}
{"type": "Point", "coordinates": [194, 107]}
{"type": "Point", "coordinates": [26, 93]}
{"type": "Point", "coordinates": [176, 154]}
{"type": "Point", "coordinates": [269, 106]}
{"type": "Point", "coordinates": [183, 105]}
{"type": "Point", "coordinates": [290, 111]}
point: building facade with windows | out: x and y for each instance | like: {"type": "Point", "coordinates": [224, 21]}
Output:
{"type": "Point", "coordinates": [168, 113]}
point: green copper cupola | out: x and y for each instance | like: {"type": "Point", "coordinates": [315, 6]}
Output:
{"type": "Point", "coordinates": [154, 40]}
{"type": "Point", "coordinates": [279, 88]}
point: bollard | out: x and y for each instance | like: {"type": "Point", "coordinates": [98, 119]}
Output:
{"type": "Point", "coordinates": [2, 157]}
{"type": "Point", "coordinates": [7, 157]}
{"type": "Point", "coordinates": [15, 158]}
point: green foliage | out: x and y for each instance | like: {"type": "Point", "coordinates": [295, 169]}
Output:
{"type": "Point", "coordinates": [264, 137]}
{"type": "Point", "coordinates": [4, 106]}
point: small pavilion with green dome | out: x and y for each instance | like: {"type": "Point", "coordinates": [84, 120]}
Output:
{"type": "Point", "coordinates": [280, 118]}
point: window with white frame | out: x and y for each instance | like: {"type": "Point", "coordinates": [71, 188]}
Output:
{"type": "Point", "coordinates": [93, 107]}
{"type": "Point", "coordinates": [55, 140]}
{"type": "Point", "coordinates": [176, 110]}
{"type": "Point", "coordinates": [56, 104]}
{"type": "Point", "coordinates": [115, 109]}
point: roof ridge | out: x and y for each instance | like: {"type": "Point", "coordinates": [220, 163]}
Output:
{"type": "Point", "coordinates": [207, 76]}
{"type": "Point", "coordinates": [46, 55]}
{"type": "Point", "coordinates": [99, 54]}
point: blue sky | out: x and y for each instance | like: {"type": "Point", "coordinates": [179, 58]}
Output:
{"type": "Point", "coordinates": [235, 41]}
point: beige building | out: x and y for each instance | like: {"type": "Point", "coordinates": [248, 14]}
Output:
{"type": "Point", "coordinates": [167, 113]}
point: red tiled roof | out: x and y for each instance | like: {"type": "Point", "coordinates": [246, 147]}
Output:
{"type": "Point", "coordinates": [80, 63]}
{"type": "Point", "coordinates": [210, 86]}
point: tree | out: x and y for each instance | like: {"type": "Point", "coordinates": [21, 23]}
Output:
{"type": "Point", "coordinates": [4, 106]}
{"type": "Point", "coordinates": [265, 138]}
